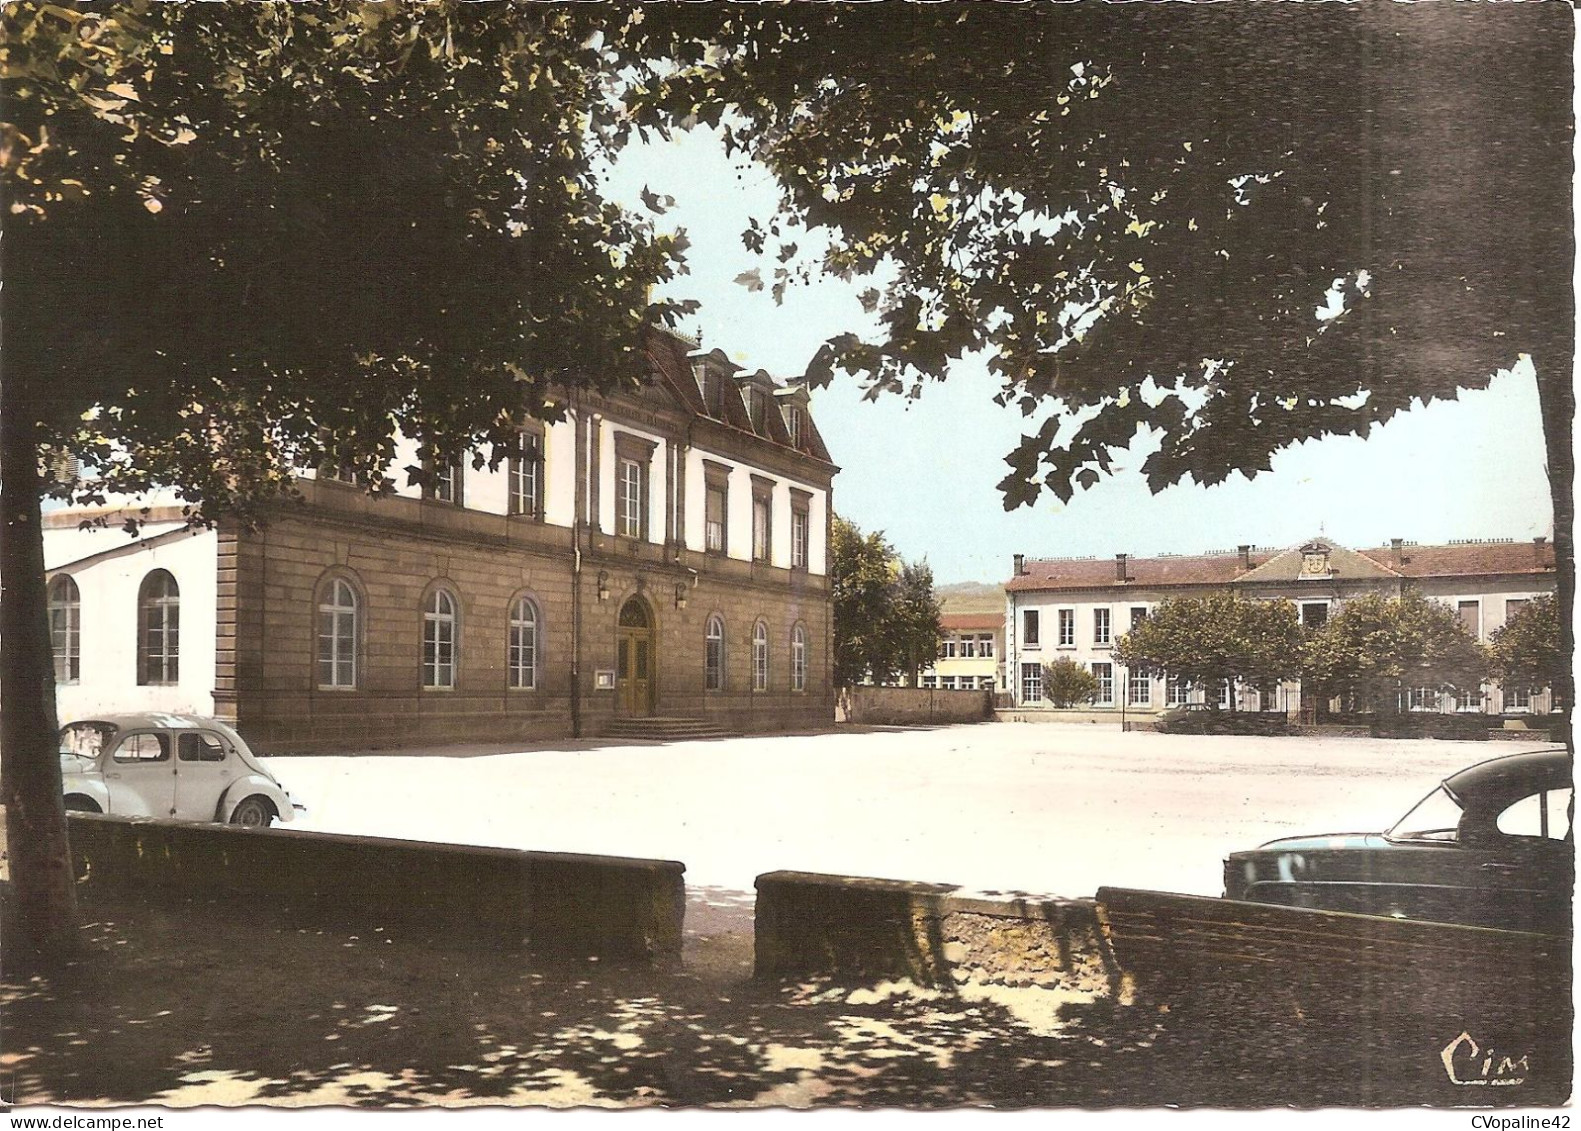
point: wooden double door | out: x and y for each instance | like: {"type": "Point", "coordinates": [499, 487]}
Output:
{"type": "Point", "coordinates": [635, 660]}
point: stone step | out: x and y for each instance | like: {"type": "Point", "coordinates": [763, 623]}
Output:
{"type": "Point", "coordinates": [661, 729]}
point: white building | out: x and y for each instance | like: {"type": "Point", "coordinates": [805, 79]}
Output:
{"type": "Point", "coordinates": [1076, 608]}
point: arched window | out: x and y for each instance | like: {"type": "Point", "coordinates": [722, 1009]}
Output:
{"type": "Point", "coordinates": [65, 629]}
{"type": "Point", "coordinates": [760, 657]}
{"type": "Point", "coordinates": [714, 654]}
{"type": "Point", "coordinates": [337, 634]}
{"type": "Point", "coordinates": [439, 640]}
{"type": "Point", "coordinates": [523, 650]}
{"type": "Point", "coordinates": [798, 658]}
{"type": "Point", "coordinates": [158, 629]}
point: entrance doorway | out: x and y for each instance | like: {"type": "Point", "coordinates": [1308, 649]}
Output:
{"type": "Point", "coordinates": [634, 660]}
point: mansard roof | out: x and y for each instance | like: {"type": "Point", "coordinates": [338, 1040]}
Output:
{"type": "Point", "coordinates": [672, 358]}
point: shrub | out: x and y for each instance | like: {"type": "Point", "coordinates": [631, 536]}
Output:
{"type": "Point", "coordinates": [1430, 725]}
{"type": "Point", "coordinates": [1066, 683]}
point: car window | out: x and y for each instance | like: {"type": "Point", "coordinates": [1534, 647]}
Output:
{"type": "Point", "coordinates": [1544, 814]}
{"type": "Point", "coordinates": [1435, 817]}
{"type": "Point", "coordinates": [197, 746]}
{"type": "Point", "coordinates": [86, 740]}
{"type": "Point", "coordinates": [144, 747]}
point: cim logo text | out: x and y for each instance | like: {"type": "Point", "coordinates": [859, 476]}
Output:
{"type": "Point", "coordinates": [1469, 1064]}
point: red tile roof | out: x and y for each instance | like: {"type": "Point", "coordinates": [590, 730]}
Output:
{"type": "Point", "coordinates": [1467, 559]}
{"type": "Point", "coordinates": [1101, 573]}
{"type": "Point", "coordinates": [971, 621]}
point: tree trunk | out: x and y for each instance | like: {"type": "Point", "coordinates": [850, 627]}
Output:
{"type": "Point", "coordinates": [1556, 397]}
{"type": "Point", "coordinates": [40, 927]}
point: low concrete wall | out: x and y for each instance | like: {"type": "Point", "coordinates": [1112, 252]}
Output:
{"type": "Point", "coordinates": [550, 902]}
{"type": "Point", "coordinates": [892, 706]}
{"type": "Point", "coordinates": [1104, 717]}
{"type": "Point", "coordinates": [846, 925]}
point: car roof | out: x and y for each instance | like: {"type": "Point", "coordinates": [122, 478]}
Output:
{"type": "Point", "coordinates": [1512, 775]}
{"type": "Point", "coordinates": [154, 719]}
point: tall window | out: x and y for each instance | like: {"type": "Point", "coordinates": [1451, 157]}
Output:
{"type": "Point", "coordinates": [1104, 673]}
{"type": "Point", "coordinates": [762, 530]}
{"type": "Point", "coordinates": [439, 640]}
{"type": "Point", "coordinates": [159, 629]}
{"type": "Point", "coordinates": [1177, 691]}
{"type": "Point", "coordinates": [1517, 699]}
{"type": "Point", "coordinates": [760, 657]}
{"type": "Point", "coordinates": [1031, 683]}
{"type": "Point", "coordinates": [1470, 700]}
{"type": "Point", "coordinates": [65, 629]}
{"type": "Point", "coordinates": [985, 645]}
{"type": "Point", "coordinates": [716, 504]}
{"type": "Point", "coordinates": [1470, 613]}
{"type": "Point", "coordinates": [801, 530]}
{"type": "Point", "coordinates": [714, 654]}
{"type": "Point", "coordinates": [629, 499]}
{"type": "Point", "coordinates": [1100, 626]}
{"type": "Point", "coordinates": [522, 657]}
{"type": "Point", "coordinates": [798, 659]}
{"type": "Point", "coordinates": [1139, 689]}
{"type": "Point", "coordinates": [1067, 628]}
{"type": "Point", "coordinates": [448, 480]}
{"type": "Point", "coordinates": [633, 460]}
{"type": "Point", "coordinates": [337, 635]}
{"type": "Point", "coordinates": [1138, 615]}
{"type": "Point", "coordinates": [1029, 634]}
{"type": "Point", "coordinates": [525, 474]}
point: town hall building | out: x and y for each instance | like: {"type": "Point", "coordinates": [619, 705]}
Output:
{"type": "Point", "coordinates": [659, 554]}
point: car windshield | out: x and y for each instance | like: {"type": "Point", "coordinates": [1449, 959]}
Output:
{"type": "Point", "coordinates": [86, 740]}
{"type": "Point", "coordinates": [1435, 817]}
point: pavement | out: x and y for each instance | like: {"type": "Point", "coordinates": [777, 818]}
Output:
{"type": "Point", "coordinates": [1045, 809]}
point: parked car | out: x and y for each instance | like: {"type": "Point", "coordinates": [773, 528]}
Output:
{"type": "Point", "coordinates": [169, 766]}
{"type": "Point", "coordinates": [1492, 846]}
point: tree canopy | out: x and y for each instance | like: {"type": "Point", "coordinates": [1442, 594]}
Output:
{"type": "Point", "coordinates": [1526, 652]}
{"type": "Point", "coordinates": [1377, 648]}
{"type": "Point", "coordinates": [1238, 226]}
{"type": "Point", "coordinates": [299, 225]}
{"type": "Point", "coordinates": [886, 617]}
{"type": "Point", "coordinates": [1207, 641]}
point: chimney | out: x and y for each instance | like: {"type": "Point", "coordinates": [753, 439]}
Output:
{"type": "Point", "coordinates": [1020, 561]}
{"type": "Point", "coordinates": [1246, 555]}
{"type": "Point", "coordinates": [1119, 568]}
{"type": "Point", "coordinates": [1397, 545]}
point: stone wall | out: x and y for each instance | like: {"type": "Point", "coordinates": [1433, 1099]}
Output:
{"type": "Point", "coordinates": [555, 903]}
{"type": "Point", "coordinates": [865, 928]}
{"type": "Point", "coordinates": [920, 706]}
{"type": "Point", "coordinates": [394, 550]}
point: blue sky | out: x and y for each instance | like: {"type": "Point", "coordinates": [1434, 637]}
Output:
{"type": "Point", "coordinates": [924, 471]}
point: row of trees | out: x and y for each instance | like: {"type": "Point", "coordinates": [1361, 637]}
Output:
{"type": "Point", "coordinates": [886, 617]}
{"type": "Point", "coordinates": [1371, 651]}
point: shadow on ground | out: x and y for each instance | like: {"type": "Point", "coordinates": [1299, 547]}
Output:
{"type": "Point", "coordinates": [211, 1004]}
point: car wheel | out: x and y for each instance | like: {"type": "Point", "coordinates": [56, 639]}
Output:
{"type": "Point", "coordinates": [76, 803]}
{"type": "Point", "coordinates": [253, 813]}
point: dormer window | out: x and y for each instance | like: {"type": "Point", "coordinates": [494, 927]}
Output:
{"type": "Point", "coordinates": [796, 425]}
{"type": "Point", "coordinates": [757, 407]}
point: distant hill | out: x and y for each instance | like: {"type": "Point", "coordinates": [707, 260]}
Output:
{"type": "Point", "coordinates": [971, 597]}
